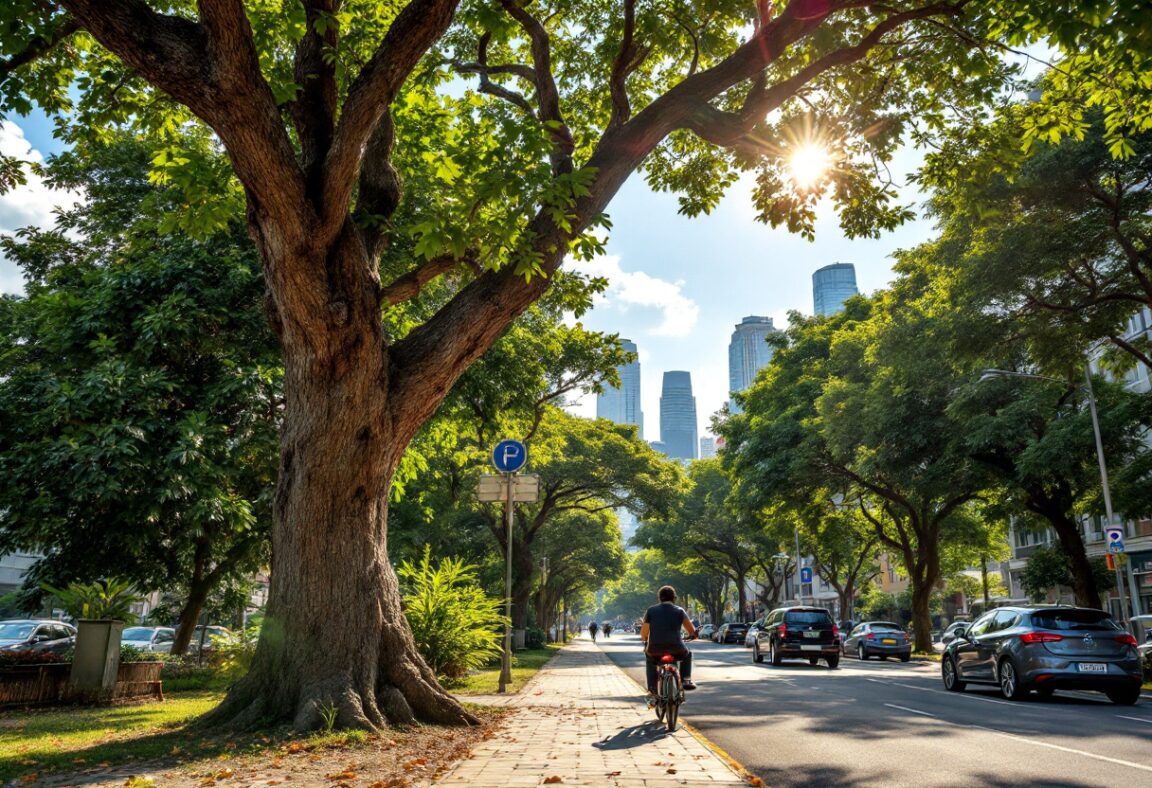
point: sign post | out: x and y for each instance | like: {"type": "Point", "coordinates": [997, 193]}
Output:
{"type": "Point", "coordinates": [508, 457]}
{"type": "Point", "coordinates": [1114, 536]}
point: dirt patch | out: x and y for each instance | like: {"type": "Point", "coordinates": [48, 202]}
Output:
{"type": "Point", "coordinates": [414, 756]}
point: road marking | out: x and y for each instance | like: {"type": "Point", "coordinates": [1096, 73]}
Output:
{"type": "Point", "coordinates": [1037, 743]}
{"type": "Point", "coordinates": [905, 708]}
{"type": "Point", "coordinates": [957, 694]}
{"type": "Point", "coordinates": [1138, 719]}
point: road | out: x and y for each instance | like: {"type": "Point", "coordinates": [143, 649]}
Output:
{"type": "Point", "coordinates": [892, 724]}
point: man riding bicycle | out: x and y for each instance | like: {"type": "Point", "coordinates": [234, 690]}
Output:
{"type": "Point", "coordinates": [661, 635]}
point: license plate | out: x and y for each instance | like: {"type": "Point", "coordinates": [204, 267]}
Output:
{"type": "Point", "coordinates": [888, 642]}
{"type": "Point", "coordinates": [806, 647]}
{"type": "Point", "coordinates": [811, 634]}
{"type": "Point", "coordinates": [1092, 667]}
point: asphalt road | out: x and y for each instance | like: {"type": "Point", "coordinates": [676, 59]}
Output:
{"type": "Point", "coordinates": [892, 724]}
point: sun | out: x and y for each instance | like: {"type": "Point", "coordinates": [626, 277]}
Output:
{"type": "Point", "coordinates": [808, 164]}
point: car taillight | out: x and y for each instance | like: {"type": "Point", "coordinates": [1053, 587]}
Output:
{"type": "Point", "coordinates": [835, 631]}
{"type": "Point", "coordinates": [1127, 640]}
{"type": "Point", "coordinates": [783, 630]}
{"type": "Point", "coordinates": [1040, 637]}
{"type": "Point", "coordinates": [871, 636]}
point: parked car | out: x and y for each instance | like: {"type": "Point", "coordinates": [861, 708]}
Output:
{"type": "Point", "coordinates": [878, 639]}
{"type": "Point", "coordinates": [1021, 649]}
{"type": "Point", "coordinates": [155, 639]}
{"type": "Point", "coordinates": [798, 633]}
{"type": "Point", "coordinates": [950, 631]}
{"type": "Point", "coordinates": [706, 631]}
{"type": "Point", "coordinates": [43, 636]}
{"type": "Point", "coordinates": [210, 635]}
{"type": "Point", "coordinates": [750, 637]}
{"type": "Point", "coordinates": [732, 632]}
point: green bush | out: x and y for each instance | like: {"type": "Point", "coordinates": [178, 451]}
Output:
{"type": "Point", "coordinates": [1148, 665]}
{"type": "Point", "coordinates": [456, 626]}
{"type": "Point", "coordinates": [111, 598]}
{"type": "Point", "coordinates": [10, 658]}
{"type": "Point", "coordinates": [232, 654]}
{"type": "Point", "coordinates": [133, 654]}
{"type": "Point", "coordinates": [535, 638]}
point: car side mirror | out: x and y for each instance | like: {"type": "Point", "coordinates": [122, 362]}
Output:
{"type": "Point", "coordinates": [962, 633]}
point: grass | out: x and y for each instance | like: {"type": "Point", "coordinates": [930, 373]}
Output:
{"type": "Point", "coordinates": [88, 737]}
{"type": "Point", "coordinates": [525, 665]}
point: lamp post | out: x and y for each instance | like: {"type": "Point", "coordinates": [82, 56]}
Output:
{"type": "Point", "coordinates": [781, 560]}
{"type": "Point", "coordinates": [988, 374]}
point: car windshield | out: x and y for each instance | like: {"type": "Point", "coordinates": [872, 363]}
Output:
{"type": "Point", "coordinates": [15, 631]}
{"type": "Point", "coordinates": [808, 617]}
{"type": "Point", "coordinates": [137, 633]}
{"type": "Point", "coordinates": [1072, 619]}
{"type": "Point", "coordinates": [886, 626]}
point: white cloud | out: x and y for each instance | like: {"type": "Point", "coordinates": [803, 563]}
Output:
{"type": "Point", "coordinates": [28, 205]}
{"type": "Point", "coordinates": [628, 290]}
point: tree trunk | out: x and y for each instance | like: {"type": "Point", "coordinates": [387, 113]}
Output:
{"type": "Point", "coordinates": [189, 615]}
{"type": "Point", "coordinates": [335, 640]}
{"type": "Point", "coordinates": [522, 567]}
{"type": "Point", "coordinates": [922, 616]}
{"type": "Point", "coordinates": [1083, 580]}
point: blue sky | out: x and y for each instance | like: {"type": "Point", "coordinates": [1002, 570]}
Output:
{"type": "Point", "coordinates": [679, 285]}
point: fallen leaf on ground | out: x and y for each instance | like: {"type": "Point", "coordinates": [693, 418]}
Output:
{"type": "Point", "coordinates": [671, 771]}
{"type": "Point", "coordinates": [552, 779]}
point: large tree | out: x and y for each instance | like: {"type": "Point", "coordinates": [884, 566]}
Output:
{"type": "Point", "coordinates": [363, 182]}
{"type": "Point", "coordinates": [140, 394]}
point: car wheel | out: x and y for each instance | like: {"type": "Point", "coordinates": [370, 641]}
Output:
{"type": "Point", "coordinates": [861, 652]}
{"type": "Point", "coordinates": [905, 657]}
{"type": "Point", "coordinates": [1124, 697]}
{"type": "Point", "coordinates": [756, 655]}
{"type": "Point", "coordinates": [1010, 685]}
{"type": "Point", "coordinates": [776, 658]}
{"type": "Point", "coordinates": [951, 676]}
{"type": "Point", "coordinates": [833, 662]}
{"type": "Point", "coordinates": [813, 660]}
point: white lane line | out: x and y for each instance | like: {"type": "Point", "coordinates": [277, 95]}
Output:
{"type": "Point", "coordinates": [905, 708]}
{"type": "Point", "coordinates": [957, 694]}
{"type": "Point", "coordinates": [1097, 756]}
{"type": "Point", "coordinates": [1138, 719]}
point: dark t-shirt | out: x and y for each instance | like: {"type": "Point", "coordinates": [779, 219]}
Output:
{"type": "Point", "coordinates": [664, 622]}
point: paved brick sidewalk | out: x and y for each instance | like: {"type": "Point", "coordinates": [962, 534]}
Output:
{"type": "Point", "coordinates": [582, 720]}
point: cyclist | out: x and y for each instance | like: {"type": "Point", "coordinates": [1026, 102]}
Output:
{"type": "Point", "coordinates": [592, 630]}
{"type": "Point", "coordinates": [661, 635]}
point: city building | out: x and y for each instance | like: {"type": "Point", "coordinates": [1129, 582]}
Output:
{"type": "Point", "coordinates": [707, 448]}
{"type": "Point", "coordinates": [678, 416]}
{"type": "Point", "coordinates": [748, 353]}
{"type": "Point", "coordinates": [832, 285]}
{"type": "Point", "coordinates": [622, 405]}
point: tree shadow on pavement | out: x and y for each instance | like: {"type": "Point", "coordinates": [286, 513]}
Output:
{"type": "Point", "coordinates": [636, 736]}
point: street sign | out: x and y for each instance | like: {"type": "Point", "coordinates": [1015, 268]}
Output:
{"type": "Point", "coordinates": [525, 489]}
{"type": "Point", "coordinates": [806, 575]}
{"type": "Point", "coordinates": [509, 456]}
{"type": "Point", "coordinates": [1115, 539]}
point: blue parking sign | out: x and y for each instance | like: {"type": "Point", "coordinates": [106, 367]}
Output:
{"type": "Point", "coordinates": [509, 456]}
{"type": "Point", "coordinates": [806, 575]}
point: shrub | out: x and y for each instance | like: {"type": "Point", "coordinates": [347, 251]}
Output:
{"type": "Point", "coordinates": [112, 598]}
{"type": "Point", "coordinates": [133, 654]}
{"type": "Point", "coordinates": [25, 657]}
{"type": "Point", "coordinates": [456, 626]}
{"type": "Point", "coordinates": [534, 638]}
{"type": "Point", "coordinates": [232, 654]}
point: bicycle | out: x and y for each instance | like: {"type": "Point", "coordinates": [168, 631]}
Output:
{"type": "Point", "coordinates": [669, 691]}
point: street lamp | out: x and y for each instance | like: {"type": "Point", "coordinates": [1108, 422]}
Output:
{"type": "Point", "coordinates": [781, 560]}
{"type": "Point", "coordinates": [988, 374]}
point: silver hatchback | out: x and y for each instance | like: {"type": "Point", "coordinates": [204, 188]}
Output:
{"type": "Point", "coordinates": [1021, 649]}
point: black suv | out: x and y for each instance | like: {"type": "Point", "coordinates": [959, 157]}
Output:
{"type": "Point", "coordinates": [798, 633]}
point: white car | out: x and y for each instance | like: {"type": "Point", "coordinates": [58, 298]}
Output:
{"type": "Point", "coordinates": [950, 633]}
{"type": "Point", "coordinates": [155, 639]}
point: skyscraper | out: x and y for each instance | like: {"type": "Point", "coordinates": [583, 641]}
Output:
{"type": "Point", "coordinates": [707, 448]}
{"type": "Point", "coordinates": [748, 353]}
{"type": "Point", "coordinates": [832, 285]}
{"type": "Point", "coordinates": [622, 405]}
{"type": "Point", "coordinates": [678, 416]}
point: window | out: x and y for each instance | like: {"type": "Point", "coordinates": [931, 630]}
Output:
{"type": "Point", "coordinates": [808, 617]}
{"type": "Point", "coordinates": [1005, 619]}
{"type": "Point", "coordinates": [982, 625]}
{"type": "Point", "coordinates": [164, 636]}
{"type": "Point", "coordinates": [1072, 619]}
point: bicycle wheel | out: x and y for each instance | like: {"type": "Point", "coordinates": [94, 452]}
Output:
{"type": "Point", "coordinates": [670, 694]}
{"type": "Point", "coordinates": [660, 706]}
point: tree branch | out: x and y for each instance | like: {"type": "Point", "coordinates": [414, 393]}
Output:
{"type": "Point", "coordinates": [39, 46]}
{"type": "Point", "coordinates": [623, 65]}
{"type": "Point", "coordinates": [314, 110]}
{"type": "Point", "coordinates": [410, 284]}
{"type": "Point", "coordinates": [547, 94]}
{"type": "Point", "coordinates": [414, 30]}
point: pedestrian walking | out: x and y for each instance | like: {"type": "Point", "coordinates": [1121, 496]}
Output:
{"type": "Point", "coordinates": [607, 631]}
{"type": "Point", "coordinates": [592, 630]}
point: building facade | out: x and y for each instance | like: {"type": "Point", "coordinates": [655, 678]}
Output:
{"type": "Point", "coordinates": [707, 448]}
{"type": "Point", "coordinates": [622, 405]}
{"type": "Point", "coordinates": [832, 285]}
{"type": "Point", "coordinates": [678, 416]}
{"type": "Point", "coordinates": [748, 353]}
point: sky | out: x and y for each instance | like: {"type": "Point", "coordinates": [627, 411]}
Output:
{"type": "Point", "coordinates": [678, 286]}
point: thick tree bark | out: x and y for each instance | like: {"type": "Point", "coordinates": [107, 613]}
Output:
{"type": "Point", "coordinates": [335, 637]}
{"type": "Point", "coordinates": [1083, 579]}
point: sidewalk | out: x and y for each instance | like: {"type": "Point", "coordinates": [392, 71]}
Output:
{"type": "Point", "coordinates": [582, 721]}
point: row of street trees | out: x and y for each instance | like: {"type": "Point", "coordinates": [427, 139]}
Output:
{"type": "Point", "coordinates": [403, 224]}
